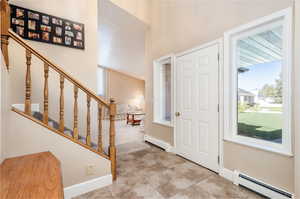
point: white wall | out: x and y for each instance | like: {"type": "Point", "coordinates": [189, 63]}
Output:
{"type": "Point", "coordinates": [297, 99]}
{"type": "Point", "coordinates": [121, 40]}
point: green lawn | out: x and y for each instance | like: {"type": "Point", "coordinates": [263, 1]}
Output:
{"type": "Point", "coordinates": [279, 109]}
{"type": "Point", "coordinates": [266, 126]}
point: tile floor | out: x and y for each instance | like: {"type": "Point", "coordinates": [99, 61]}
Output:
{"type": "Point", "coordinates": [155, 174]}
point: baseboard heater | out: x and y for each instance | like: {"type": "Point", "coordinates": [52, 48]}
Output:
{"type": "Point", "coordinates": [261, 187]}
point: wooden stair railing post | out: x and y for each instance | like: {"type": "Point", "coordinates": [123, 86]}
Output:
{"type": "Point", "coordinates": [62, 104]}
{"type": "Point", "coordinates": [100, 149]}
{"type": "Point", "coordinates": [28, 84]}
{"type": "Point", "coordinates": [5, 24]}
{"type": "Point", "coordinates": [46, 94]}
{"type": "Point", "coordinates": [112, 144]}
{"type": "Point", "coordinates": [75, 127]}
{"type": "Point", "coordinates": [88, 121]}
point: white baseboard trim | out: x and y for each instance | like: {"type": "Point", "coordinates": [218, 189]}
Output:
{"type": "Point", "coordinates": [164, 145]}
{"type": "Point", "coordinates": [21, 107]}
{"type": "Point", "coordinates": [85, 187]}
{"type": "Point", "coordinates": [227, 174]}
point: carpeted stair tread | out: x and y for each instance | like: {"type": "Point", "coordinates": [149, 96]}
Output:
{"type": "Point", "coordinates": [67, 131]}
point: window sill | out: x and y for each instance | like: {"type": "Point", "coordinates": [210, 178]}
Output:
{"type": "Point", "coordinates": [257, 146]}
{"type": "Point", "coordinates": [163, 123]}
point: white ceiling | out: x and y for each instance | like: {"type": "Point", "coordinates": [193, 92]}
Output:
{"type": "Point", "coordinates": [121, 40]}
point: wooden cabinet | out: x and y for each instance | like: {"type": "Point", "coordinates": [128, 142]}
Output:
{"type": "Point", "coordinates": [31, 177]}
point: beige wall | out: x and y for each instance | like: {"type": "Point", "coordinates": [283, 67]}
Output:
{"type": "Point", "coordinates": [297, 99]}
{"type": "Point", "coordinates": [28, 137]}
{"type": "Point", "coordinates": [121, 40]}
{"type": "Point", "coordinates": [272, 168]}
{"type": "Point", "coordinates": [179, 25]}
{"type": "Point", "coordinates": [81, 64]}
{"type": "Point", "coordinates": [138, 8]}
{"type": "Point", "coordinates": [3, 106]}
{"type": "Point", "coordinates": [125, 89]}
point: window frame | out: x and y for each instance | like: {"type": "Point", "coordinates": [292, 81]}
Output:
{"type": "Point", "coordinates": [157, 92]}
{"type": "Point", "coordinates": [231, 78]}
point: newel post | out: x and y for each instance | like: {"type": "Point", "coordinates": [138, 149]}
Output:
{"type": "Point", "coordinates": [112, 135]}
{"type": "Point", "coordinates": [5, 24]}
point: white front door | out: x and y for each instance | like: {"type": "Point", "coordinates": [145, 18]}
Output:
{"type": "Point", "coordinates": [197, 91]}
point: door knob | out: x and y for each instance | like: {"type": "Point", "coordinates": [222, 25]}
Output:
{"type": "Point", "coordinates": [177, 114]}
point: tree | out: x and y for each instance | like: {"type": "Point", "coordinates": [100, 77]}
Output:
{"type": "Point", "coordinates": [278, 89]}
{"type": "Point", "coordinates": [267, 90]}
{"type": "Point", "coordinates": [273, 91]}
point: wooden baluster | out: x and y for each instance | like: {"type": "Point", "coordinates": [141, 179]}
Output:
{"type": "Point", "coordinates": [61, 107]}
{"type": "Point", "coordinates": [100, 149]}
{"type": "Point", "coordinates": [28, 84]}
{"type": "Point", "coordinates": [75, 127]}
{"type": "Point", "coordinates": [5, 25]}
{"type": "Point", "coordinates": [88, 121]}
{"type": "Point", "coordinates": [46, 94]}
{"type": "Point", "coordinates": [112, 133]}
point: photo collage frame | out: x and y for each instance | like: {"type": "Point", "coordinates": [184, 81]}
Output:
{"type": "Point", "coordinates": [37, 26]}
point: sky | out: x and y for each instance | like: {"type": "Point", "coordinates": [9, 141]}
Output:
{"type": "Point", "coordinates": [259, 75]}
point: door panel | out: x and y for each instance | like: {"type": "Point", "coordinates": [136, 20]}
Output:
{"type": "Point", "coordinates": [197, 135]}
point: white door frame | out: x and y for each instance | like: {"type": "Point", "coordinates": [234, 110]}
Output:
{"type": "Point", "coordinates": [219, 42]}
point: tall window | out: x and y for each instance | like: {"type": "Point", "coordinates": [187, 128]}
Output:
{"type": "Point", "coordinates": [101, 79]}
{"type": "Point", "coordinates": [259, 91]}
{"type": "Point", "coordinates": [162, 79]}
{"type": "Point", "coordinates": [258, 59]}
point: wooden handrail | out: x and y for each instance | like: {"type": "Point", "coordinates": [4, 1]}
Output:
{"type": "Point", "coordinates": [5, 24]}
{"type": "Point", "coordinates": [58, 69]}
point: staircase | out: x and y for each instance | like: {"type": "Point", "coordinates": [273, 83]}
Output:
{"type": "Point", "coordinates": [43, 119]}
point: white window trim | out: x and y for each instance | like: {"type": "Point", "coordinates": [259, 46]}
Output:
{"type": "Point", "coordinates": [157, 92]}
{"type": "Point", "coordinates": [106, 94]}
{"type": "Point", "coordinates": [230, 86]}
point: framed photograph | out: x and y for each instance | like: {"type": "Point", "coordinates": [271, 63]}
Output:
{"type": "Point", "coordinates": [32, 15]}
{"type": "Point", "coordinates": [57, 21]}
{"type": "Point", "coordinates": [46, 36]}
{"type": "Point", "coordinates": [77, 27]}
{"type": "Point", "coordinates": [31, 25]}
{"type": "Point", "coordinates": [45, 28]}
{"type": "Point", "coordinates": [69, 33]}
{"type": "Point", "coordinates": [58, 31]}
{"type": "Point", "coordinates": [20, 31]}
{"type": "Point", "coordinates": [68, 41]}
{"type": "Point", "coordinates": [68, 27]}
{"type": "Point", "coordinates": [45, 20]}
{"type": "Point", "coordinates": [77, 43]}
{"type": "Point", "coordinates": [19, 22]}
{"type": "Point", "coordinates": [57, 40]}
{"type": "Point", "coordinates": [19, 13]}
{"type": "Point", "coordinates": [38, 26]}
{"type": "Point", "coordinates": [79, 36]}
{"type": "Point", "coordinates": [33, 35]}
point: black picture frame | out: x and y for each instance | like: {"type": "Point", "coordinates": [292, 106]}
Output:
{"type": "Point", "coordinates": [41, 27]}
